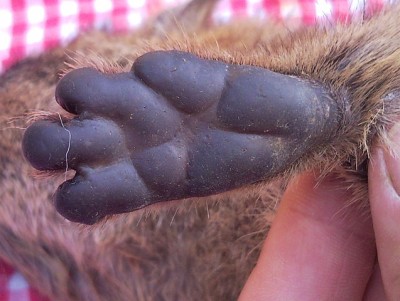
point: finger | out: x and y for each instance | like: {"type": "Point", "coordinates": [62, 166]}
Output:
{"type": "Point", "coordinates": [317, 248]}
{"type": "Point", "coordinates": [94, 193]}
{"type": "Point", "coordinates": [375, 289]}
{"type": "Point", "coordinates": [190, 83]}
{"type": "Point", "coordinates": [384, 184]}
{"type": "Point", "coordinates": [50, 145]}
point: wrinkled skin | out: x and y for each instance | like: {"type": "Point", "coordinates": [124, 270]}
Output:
{"type": "Point", "coordinates": [175, 127]}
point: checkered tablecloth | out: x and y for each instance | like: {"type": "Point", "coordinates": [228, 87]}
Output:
{"type": "Point", "coordinates": [30, 27]}
{"type": "Point", "coordinates": [13, 286]}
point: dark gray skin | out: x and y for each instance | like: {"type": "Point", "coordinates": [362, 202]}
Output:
{"type": "Point", "coordinates": [175, 127]}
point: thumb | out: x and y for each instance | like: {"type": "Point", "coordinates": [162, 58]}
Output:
{"type": "Point", "coordinates": [317, 249]}
{"type": "Point", "coordinates": [384, 189]}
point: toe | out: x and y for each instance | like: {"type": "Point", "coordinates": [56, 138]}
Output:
{"type": "Point", "coordinates": [50, 145]}
{"type": "Point", "coordinates": [45, 144]}
{"type": "Point", "coordinates": [94, 193]}
{"type": "Point", "coordinates": [191, 84]}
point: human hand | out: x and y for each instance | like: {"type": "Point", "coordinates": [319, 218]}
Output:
{"type": "Point", "coordinates": [320, 249]}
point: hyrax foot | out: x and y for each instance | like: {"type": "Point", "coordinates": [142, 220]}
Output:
{"type": "Point", "coordinates": [176, 126]}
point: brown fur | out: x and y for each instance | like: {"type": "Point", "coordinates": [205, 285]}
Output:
{"type": "Point", "coordinates": [205, 250]}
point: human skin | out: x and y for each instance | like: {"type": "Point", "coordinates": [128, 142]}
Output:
{"type": "Point", "coordinates": [318, 250]}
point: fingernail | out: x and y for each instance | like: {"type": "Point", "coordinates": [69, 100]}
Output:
{"type": "Point", "coordinates": [392, 157]}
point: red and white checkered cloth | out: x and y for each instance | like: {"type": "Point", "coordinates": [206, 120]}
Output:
{"type": "Point", "coordinates": [30, 27]}
{"type": "Point", "coordinates": [13, 286]}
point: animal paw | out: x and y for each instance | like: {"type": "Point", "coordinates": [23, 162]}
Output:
{"type": "Point", "coordinates": [176, 126]}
